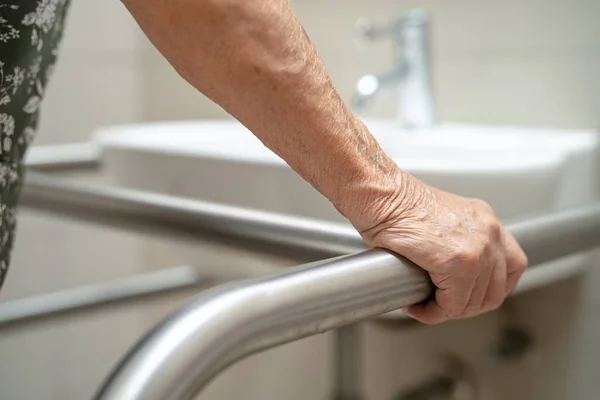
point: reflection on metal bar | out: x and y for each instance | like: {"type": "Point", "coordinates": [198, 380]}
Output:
{"type": "Point", "coordinates": [181, 218]}
{"type": "Point", "coordinates": [65, 157]}
{"type": "Point", "coordinates": [174, 218]}
{"type": "Point", "coordinates": [179, 357]}
{"type": "Point", "coordinates": [151, 284]}
{"type": "Point", "coordinates": [241, 318]}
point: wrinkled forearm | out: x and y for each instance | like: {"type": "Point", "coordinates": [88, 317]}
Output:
{"type": "Point", "coordinates": [253, 58]}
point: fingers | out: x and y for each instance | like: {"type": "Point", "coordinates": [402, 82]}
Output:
{"type": "Point", "coordinates": [480, 290]}
{"type": "Point", "coordinates": [496, 292]}
{"type": "Point", "coordinates": [487, 291]}
{"type": "Point", "coordinates": [429, 313]}
{"type": "Point", "coordinates": [471, 259]}
{"type": "Point", "coordinates": [516, 263]}
{"type": "Point", "coordinates": [451, 298]}
{"type": "Point", "coordinates": [468, 298]}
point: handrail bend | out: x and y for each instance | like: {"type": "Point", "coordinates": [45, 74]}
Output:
{"type": "Point", "coordinates": [181, 355]}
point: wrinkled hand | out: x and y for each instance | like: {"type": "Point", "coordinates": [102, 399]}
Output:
{"type": "Point", "coordinates": [471, 259]}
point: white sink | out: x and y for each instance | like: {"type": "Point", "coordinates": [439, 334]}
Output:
{"type": "Point", "coordinates": [519, 171]}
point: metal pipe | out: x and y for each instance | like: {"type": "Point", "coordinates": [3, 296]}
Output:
{"type": "Point", "coordinates": [18, 312]}
{"type": "Point", "coordinates": [179, 357]}
{"type": "Point", "coordinates": [177, 218]}
{"type": "Point", "coordinates": [347, 363]}
{"type": "Point", "coordinates": [453, 379]}
{"type": "Point", "coordinates": [238, 319]}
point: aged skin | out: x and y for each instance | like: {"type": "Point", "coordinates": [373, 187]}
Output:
{"type": "Point", "coordinates": [253, 58]}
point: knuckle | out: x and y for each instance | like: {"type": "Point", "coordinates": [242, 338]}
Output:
{"type": "Point", "coordinates": [518, 266]}
{"type": "Point", "coordinates": [494, 227]}
{"type": "Point", "coordinates": [521, 266]}
{"type": "Point", "coordinates": [484, 206]}
{"type": "Point", "coordinates": [469, 258]}
{"type": "Point", "coordinates": [486, 243]}
{"type": "Point", "coordinates": [523, 262]}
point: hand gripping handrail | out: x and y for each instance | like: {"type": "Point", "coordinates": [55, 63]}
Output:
{"type": "Point", "coordinates": [181, 355]}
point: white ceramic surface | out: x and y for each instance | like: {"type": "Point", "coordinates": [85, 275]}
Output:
{"type": "Point", "coordinates": [519, 171]}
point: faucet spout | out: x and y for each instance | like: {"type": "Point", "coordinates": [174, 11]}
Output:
{"type": "Point", "coordinates": [410, 75]}
{"type": "Point", "coordinates": [415, 96]}
{"type": "Point", "coordinates": [368, 86]}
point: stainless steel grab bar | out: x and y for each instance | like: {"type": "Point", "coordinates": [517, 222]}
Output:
{"type": "Point", "coordinates": [181, 355]}
{"type": "Point", "coordinates": [148, 285]}
{"type": "Point", "coordinates": [178, 218]}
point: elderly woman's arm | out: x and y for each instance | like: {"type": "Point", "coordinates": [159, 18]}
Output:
{"type": "Point", "coordinates": [253, 58]}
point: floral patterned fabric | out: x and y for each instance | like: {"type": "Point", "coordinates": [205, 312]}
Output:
{"type": "Point", "coordinates": [30, 31]}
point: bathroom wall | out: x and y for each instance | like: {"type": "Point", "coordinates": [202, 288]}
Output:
{"type": "Point", "coordinates": [97, 82]}
{"type": "Point", "coordinates": [502, 62]}
{"type": "Point", "coordinates": [517, 62]}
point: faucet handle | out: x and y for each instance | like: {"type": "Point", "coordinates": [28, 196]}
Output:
{"type": "Point", "coordinates": [367, 30]}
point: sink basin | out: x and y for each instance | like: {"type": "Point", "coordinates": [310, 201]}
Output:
{"type": "Point", "coordinates": [519, 171]}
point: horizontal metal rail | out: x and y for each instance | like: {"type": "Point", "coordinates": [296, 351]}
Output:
{"type": "Point", "coordinates": [15, 313]}
{"type": "Point", "coordinates": [180, 356]}
{"type": "Point", "coordinates": [178, 218]}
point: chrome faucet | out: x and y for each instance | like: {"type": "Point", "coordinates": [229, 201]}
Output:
{"type": "Point", "coordinates": [411, 74]}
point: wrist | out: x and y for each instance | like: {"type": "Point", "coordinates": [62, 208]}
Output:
{"type": "Point", "coordinates": [377, 196]}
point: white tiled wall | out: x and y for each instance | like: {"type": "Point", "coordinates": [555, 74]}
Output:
{"type": "Point", "coordinates": [97, 80]}
{"type": "Point", "coordinates": [532, 62]}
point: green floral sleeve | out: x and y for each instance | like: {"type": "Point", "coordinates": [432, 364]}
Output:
{"type": "Point", "coordinates": [30, 31]}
